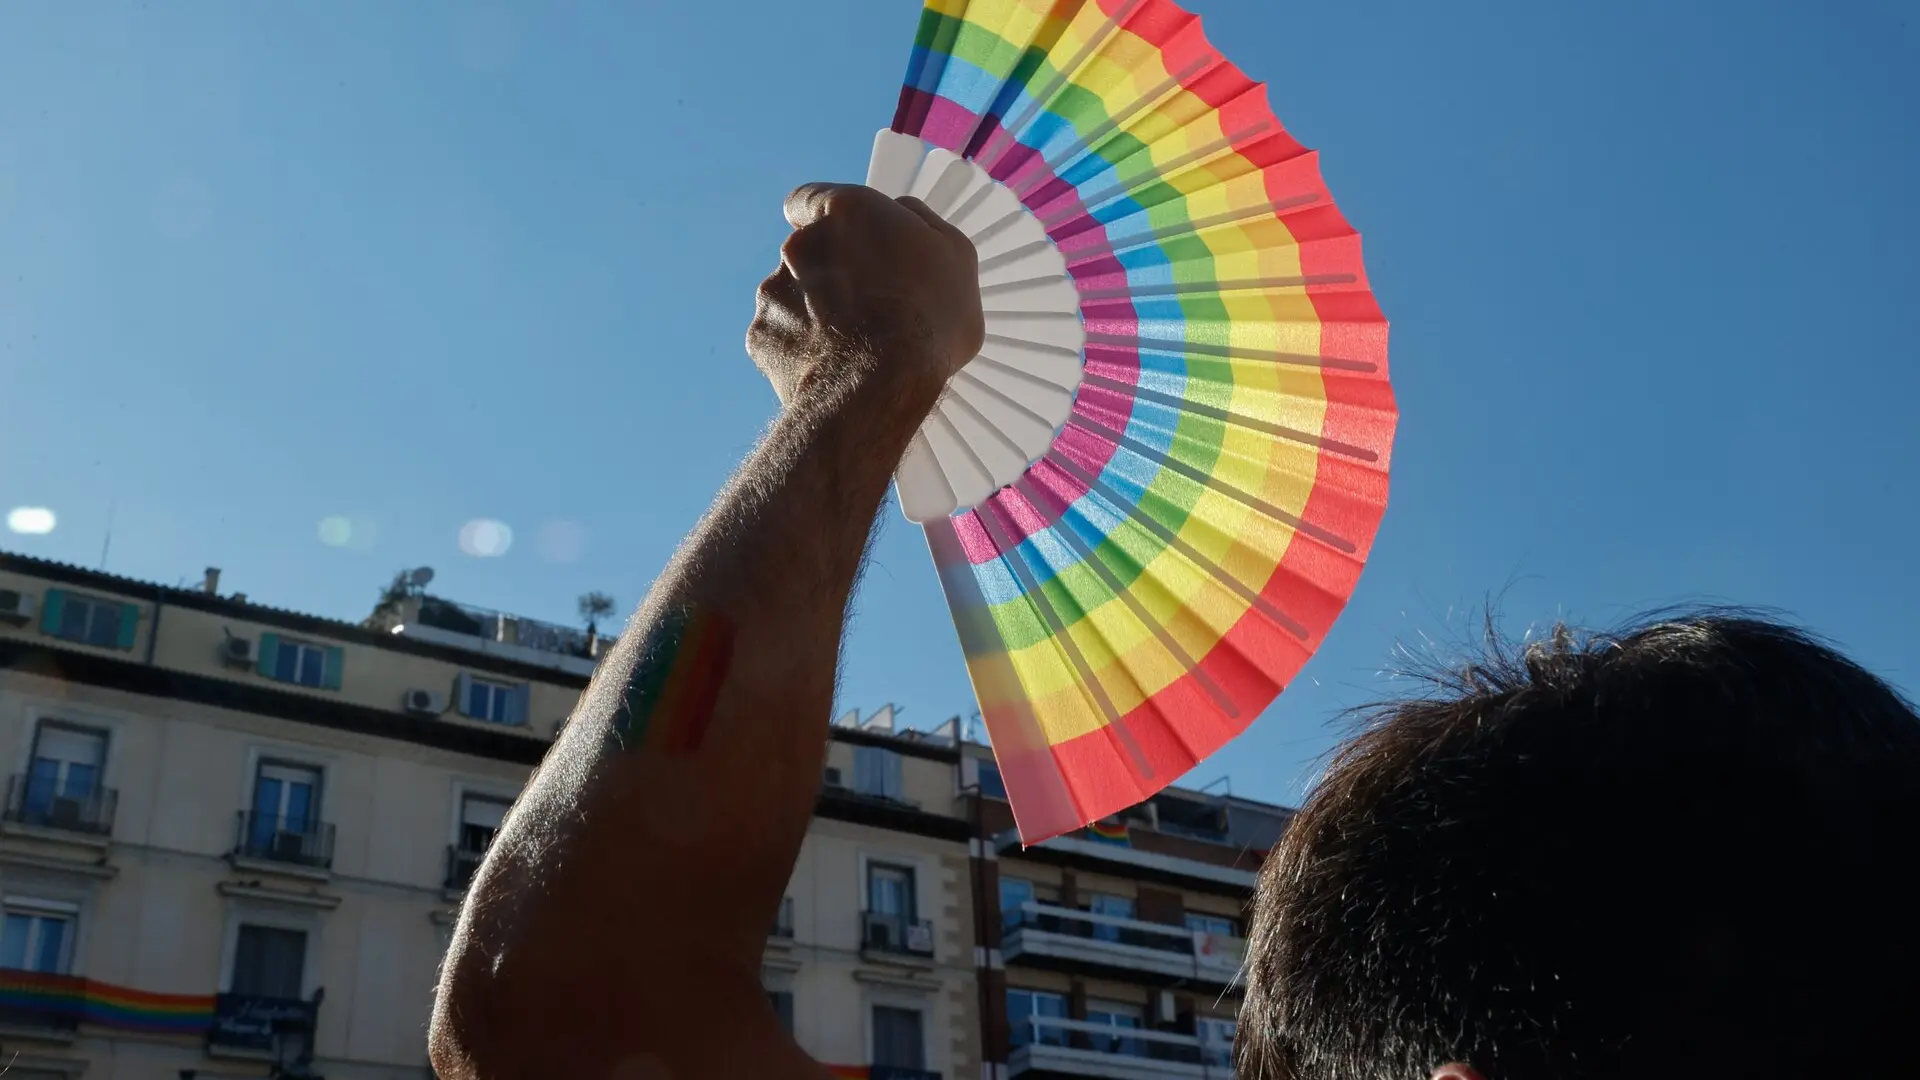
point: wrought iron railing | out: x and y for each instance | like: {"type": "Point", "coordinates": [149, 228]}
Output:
{"type": "Point", "coordinates": [39, 802]}
{"type": "Point", "coordinates": [895, 934]}
{"type": "Point", "coordinates": [277, 838]}
{"type": "Point", "coordinates": [462, 863]}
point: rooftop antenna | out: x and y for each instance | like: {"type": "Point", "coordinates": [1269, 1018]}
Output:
{"type": "Point", "coordinates": [421, 578]}
{"type": "Point", "coordinates": [107, 543]}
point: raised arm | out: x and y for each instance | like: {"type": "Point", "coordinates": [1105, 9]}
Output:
{"type": "Point", "coordinates": [616, 928]}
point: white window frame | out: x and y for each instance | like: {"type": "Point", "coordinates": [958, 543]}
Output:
{"type": "Point", "coordinates": [45, 908]}
{"type": "Point", "coordinates": [93, 604]}
{"type": "Point", "coordinates": [308, 650]}
{"type": "Point", "coordinates": [1066, 1009]}
{"type": "Point", "coordinates": [460, 813]}
{"type": "Point", "coordinates": [316, 809]}
{"type": "Point", "coordinates": [43, 711]}
{"type": "Point", "coordinates": [464, 788]}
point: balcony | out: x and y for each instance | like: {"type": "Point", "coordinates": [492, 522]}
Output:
{"type": "Point", "coordinates": [895, 938]}
{"type": "Point", "coordinates": [274, 841]}
{"type": "Point", "coordinates": [1050, 1047]}
{"type": "Point", "coordinates": [1061, 938]}
{"type": "Point", "coordinates": [41, 1004]}
{"type": "Point", "coordinates": [36, 804]}
{"type": "Point", "coordinates": [514, 637]}
{"type": "Point", "coordinates": [461, 866]}
{"type": "Point", "coordinates": [273, 1029]}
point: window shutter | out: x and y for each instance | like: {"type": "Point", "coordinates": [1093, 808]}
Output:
{"type": "Point", "coordinates": [52, 606]}
{"type": "Point", "coordinates": [463, 694]}
{"type": "Point", "coordinates": [129, 624]}
{"type": "Point", "coordinates": [269, 654]}
{"type": "Point", "coordinates": [330, 671]}
{"type": "Point", "coordinates": [522, 703]}
{"type": "Point", "coordinates": [892, 788]}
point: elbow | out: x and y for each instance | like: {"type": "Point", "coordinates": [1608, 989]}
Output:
{"type": "Point", "coordinates": [450, 1034]}
{"type": "Point", "coordinates": [474, 1027]}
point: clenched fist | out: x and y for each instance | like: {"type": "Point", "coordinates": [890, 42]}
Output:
{"type": "Point", "coordinates": [869, 288]}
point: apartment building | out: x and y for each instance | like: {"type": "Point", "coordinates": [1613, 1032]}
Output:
{"type": "Point", "coordinates": [1114, 953]}
{"type": "Point", "coordinates": [236, 837]}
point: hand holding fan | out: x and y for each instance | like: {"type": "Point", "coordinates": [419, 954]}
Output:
{"type": "Point", "coordinates": [1151, 493]}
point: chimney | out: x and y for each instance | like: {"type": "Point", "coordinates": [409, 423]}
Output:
{"type": "Point", "coordinates": [212, 582]}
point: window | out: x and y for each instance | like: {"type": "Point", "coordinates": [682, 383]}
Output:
{"type": "Point", "coordinates": [1216, 1040]}
{"type": "Point", "coordinates": [1026, 1007]}
{"type": "Point", "coordinates": [270, 962]}
{"type": "Point", "coordinates": [284, 822]}
{"type": "Point", "coordinates": [480, 819]}
{"type": "Point", "coordinates": [782, 1001]}
{"type": "Point", "coordinates": [1013, 893]}
{"type": "Point", "coordinates": [63, 777]}
{"type": "Point", "coordinates": [991, 785]}
{"type": "Point", "coordinates": [1116, 1014]}
{"type": "Point", "coordinates": [898, 1038]}
{"type": "Point", "coordinates": [494, 702]}
{"type": "Point", "coordinates": [1215, 925]}
{"type": "Point", "coordinates": [876, 772]}
{"type": "Point", "coordinates": [37, 935]}
{"type": "Point", "coordinates": [89, 620]}
{"type": "Point", "coordinates": [300, 663]}
{"type": "Point", "coordinates": [1120, 907]}
{"type": "Point", "coordinates": [890, 892]}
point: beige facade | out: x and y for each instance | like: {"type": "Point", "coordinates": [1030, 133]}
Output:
{"type": "Point", "coordinates": [235, 838]}
{"type": "Point", "coordinates": [1115, 954]}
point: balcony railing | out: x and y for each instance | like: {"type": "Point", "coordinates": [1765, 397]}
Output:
{"type": "Point", "coordinates": [40, 803]}
{"type": "Point", "coordinates": [280, 1028]}
{"type": "Point", "coordinates": [461, 865]}
{"type": "Point", "coordinates": [30, 1000]}
{"type": "Point", "coordinates": [508, 629]}
{"type": "Point", "coordinates": [1068, 936]}
{"type": "Point", "coordinates": [1056, 1046]}
{"type": "Point", "coordinates": [895, 935]}
{"type": "Point", "coordinates": [276, 838]}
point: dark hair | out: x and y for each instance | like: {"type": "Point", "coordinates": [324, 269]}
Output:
{"type": "Point", "coordinates": [1679, 850]}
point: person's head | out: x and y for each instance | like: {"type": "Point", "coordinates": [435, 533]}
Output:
{"type": "Point", "coordinates": [1678, 851]}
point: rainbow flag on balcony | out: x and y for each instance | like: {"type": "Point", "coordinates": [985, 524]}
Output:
{"type": "Point", "coordinates": [1110, 831]}
{"type": "Point", "coordinates": [68, 1001]}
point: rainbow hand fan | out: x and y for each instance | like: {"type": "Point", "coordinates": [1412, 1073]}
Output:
{"type": "Point", "coordinates": [1151, 493]}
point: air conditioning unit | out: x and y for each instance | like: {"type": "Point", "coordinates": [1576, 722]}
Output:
{"type": "Point", "coordinates": [831, 777]}
{"type": "Point", "coordinates": [880, 933]}
{"type": "Point", "coordinates": [64, 814]}
{"type": "Point", "coordinates": [15, 606]}
{"type": "Point", "coordinates": [237, 651]}
{"type": "Point", "coordinates": [425, 702]}
{"type": "Point", "coordinates": [920, 938]}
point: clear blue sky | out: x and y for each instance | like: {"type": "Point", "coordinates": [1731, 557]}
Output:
{"type": "Point", "coordinates": [1651, 269]}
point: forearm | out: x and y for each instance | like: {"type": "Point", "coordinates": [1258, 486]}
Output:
{"type": "Point", "coordinates": [694, 757]}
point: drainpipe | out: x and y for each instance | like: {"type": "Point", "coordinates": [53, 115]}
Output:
{"type": "Point", "coordinates": [978, 875]}
{"type": "Point", "coordinates": [153, 629]}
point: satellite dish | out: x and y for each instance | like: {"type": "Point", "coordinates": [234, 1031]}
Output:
{"type": "Point", "coordinates": [420, 578]}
